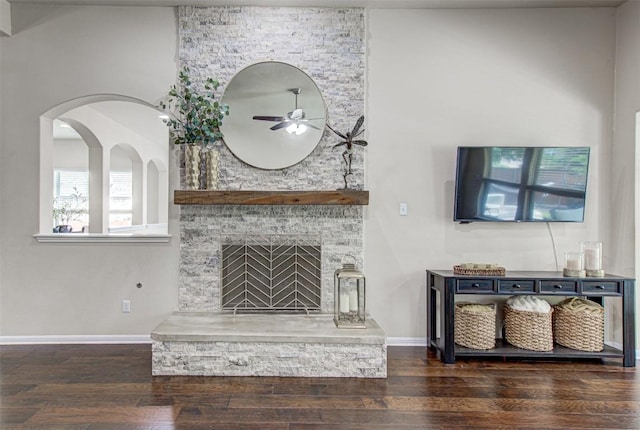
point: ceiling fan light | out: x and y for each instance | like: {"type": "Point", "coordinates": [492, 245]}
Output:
{"type": "Point", "coordinates": [298, 129]}
{"type": "Point", "coordinates": [292, 128]}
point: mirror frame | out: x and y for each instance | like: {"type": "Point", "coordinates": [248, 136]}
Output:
{"type": "Point", "coordinates": [267, 88]}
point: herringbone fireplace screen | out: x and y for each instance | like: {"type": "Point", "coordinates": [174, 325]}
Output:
{"type": "Point", "coordinates": [271, 273]}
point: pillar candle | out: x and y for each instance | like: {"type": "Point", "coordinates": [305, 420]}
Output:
{"type": "Point", "coordinates": [353, 300]}
{"type": "Point", "coordinates": [573, 261]}
{"type": "Point", "coordinates": [344, 302]}
{"type": "Point", "coordinates": [591, 259]}
{"type": "Point", "coordinates": [592, 255]}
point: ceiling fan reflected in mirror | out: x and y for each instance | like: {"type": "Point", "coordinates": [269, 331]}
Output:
{"type": "Point", "coordinates": [294, 122]}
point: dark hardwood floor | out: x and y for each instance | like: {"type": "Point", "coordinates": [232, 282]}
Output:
{"type": "Point", "coordinates": [111, 387]}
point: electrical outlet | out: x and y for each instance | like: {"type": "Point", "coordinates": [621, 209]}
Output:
{"type": "Point", "coordinates": [404, 209]}
{"type": "Point", "coordinates": [126, 306]}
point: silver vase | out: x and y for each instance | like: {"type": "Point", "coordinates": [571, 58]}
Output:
{"type": "Point", "coordinates": [213, 160]}
{"type": "Point", "coordinates": [192, 167]}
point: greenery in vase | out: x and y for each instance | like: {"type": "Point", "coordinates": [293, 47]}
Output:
{"type": "Point", "coordinates": [194, 117]}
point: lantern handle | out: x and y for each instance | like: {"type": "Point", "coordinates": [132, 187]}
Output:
{"type": "Point", "coordinates": [344, 264]}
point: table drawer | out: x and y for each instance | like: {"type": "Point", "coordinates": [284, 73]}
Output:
{"type": "Point", "coordinates": [516, 286]}
{"type": "Point", "coordinates": [601, 287]}
{"type": "Point", "coordinates": [558, 287]}
{"type": "Point", "coordinates": [475, 286]}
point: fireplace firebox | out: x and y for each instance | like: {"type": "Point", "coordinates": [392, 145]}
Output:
{"type": "Point", "coordinates": [276, 273]}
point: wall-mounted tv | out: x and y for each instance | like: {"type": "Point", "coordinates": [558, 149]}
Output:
{"type": "Point", "coordinates": [521, 184]}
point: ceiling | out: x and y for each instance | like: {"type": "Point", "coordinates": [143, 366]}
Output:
{"type": "Point", "coordinates": [134, 117]}
{"type": "Point", "coordinates": [396, 4]}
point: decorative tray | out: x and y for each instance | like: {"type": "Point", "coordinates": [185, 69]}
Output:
{"type": "Point", "coordinates": [479, 269]}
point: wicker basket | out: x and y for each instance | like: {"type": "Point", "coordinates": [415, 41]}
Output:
{"type": "Point", "coordinates": [475, 329]}
{"type": "Point", "coordinates": [528, 330]}
{"type": "Point", "coordinates": [493, 271]}
{"type": "Point", "coordinates": [579, 330]}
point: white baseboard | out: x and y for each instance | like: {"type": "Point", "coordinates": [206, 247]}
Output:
{"type": "Point", "coordinates": [114, 339]}
{"type": "Point", "coordinates": [74, 339]}
{"type": "Point", "coordinates": [145, 338]}
{"type": "Point", "coordinates": [406, 341]}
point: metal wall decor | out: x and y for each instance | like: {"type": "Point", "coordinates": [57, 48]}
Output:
{"type": "Point", "coordinates": [349, 139]}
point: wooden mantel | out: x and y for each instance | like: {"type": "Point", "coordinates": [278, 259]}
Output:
{"type": "Point", "coordinates": [209, 197]}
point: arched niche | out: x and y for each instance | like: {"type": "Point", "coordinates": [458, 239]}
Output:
{"type": "Point", "coordinates": [103, 122]}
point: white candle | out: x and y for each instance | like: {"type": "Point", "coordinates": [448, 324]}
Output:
{"type": "Point", "coordinates": [592, 258]}
{"type": "Point", "coordinates": [344, 302]}
{"type": "Point", "coordinates": [353, 300]}
{"type": "Point", "coordinates": [573, 261]}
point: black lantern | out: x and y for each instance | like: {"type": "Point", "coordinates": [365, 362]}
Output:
{"type": "Point", "coordinates": [349, 295]}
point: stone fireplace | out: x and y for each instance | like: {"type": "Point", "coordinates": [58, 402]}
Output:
{"type": "Point", "coordinates": [205, 336]}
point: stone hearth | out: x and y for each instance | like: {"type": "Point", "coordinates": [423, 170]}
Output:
{"type": "Point", "coordinates": [267, 345]}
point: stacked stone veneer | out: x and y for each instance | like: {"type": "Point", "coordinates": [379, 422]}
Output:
{"type": "Point", "coordinates": [270, 359]}
{"type": "Point", "coordinates": [327, 44]}
{"type": "Point", "coordinates": [202, 229]}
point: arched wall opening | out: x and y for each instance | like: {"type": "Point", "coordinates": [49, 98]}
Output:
{"type": "Point", "coordinates": [108, 124]}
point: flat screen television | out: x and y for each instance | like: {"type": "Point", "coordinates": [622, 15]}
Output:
{"type": "Point", "coordinates": [521, 184]}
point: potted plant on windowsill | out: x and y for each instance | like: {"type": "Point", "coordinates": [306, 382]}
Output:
{"type": "Point", "coordinates": [194, 118]}
{"type": "Point", "coordinates": [67, 209]}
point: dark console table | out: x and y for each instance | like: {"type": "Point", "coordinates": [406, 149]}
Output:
{"type": "Point", "coordinates": [444, 285]}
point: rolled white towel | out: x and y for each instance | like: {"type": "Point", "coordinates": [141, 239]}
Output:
{"type": "Point", "coordinates": [529, 304]}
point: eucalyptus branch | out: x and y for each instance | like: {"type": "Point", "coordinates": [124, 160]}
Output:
{"type": "Point", "coordinates": [194, 118]}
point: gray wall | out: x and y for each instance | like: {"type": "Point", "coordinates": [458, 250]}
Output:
{"type": "Point", "coordinates": [435, 79]}
{"type": "Point", "coordinates": [476, 77]}
{"type": "Point", "coordinates": [624, 201]}
{"type": "Point", "coordinates": [57, 54]}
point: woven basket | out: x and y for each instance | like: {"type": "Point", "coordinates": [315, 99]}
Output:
{"type": "Point", "coordinates": [494, 271]}
{"type": "Point", "coordinates": [579, 330]}
{"type": "Point", "coordinates": [528, 330]}
{"type": "Point", "coordinates": [475, 329]}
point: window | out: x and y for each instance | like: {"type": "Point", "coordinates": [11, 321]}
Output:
{"type": "Point", "coordinates": [70, 200]}
{"type": "Point", "coordinates": [120, 199]}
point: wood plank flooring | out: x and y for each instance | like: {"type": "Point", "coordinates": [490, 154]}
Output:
{"type": "Point", "coordinates": [111, 387]}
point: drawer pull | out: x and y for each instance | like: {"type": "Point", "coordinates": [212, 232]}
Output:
{"type": "Point", "coordinates": [557, 286]}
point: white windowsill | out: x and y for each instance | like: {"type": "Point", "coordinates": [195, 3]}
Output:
{"type": "Point", "coordinates": [101, 238]}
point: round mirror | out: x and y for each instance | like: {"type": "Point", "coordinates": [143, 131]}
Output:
{"type": "Point", "coordinates": [276, 115]}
